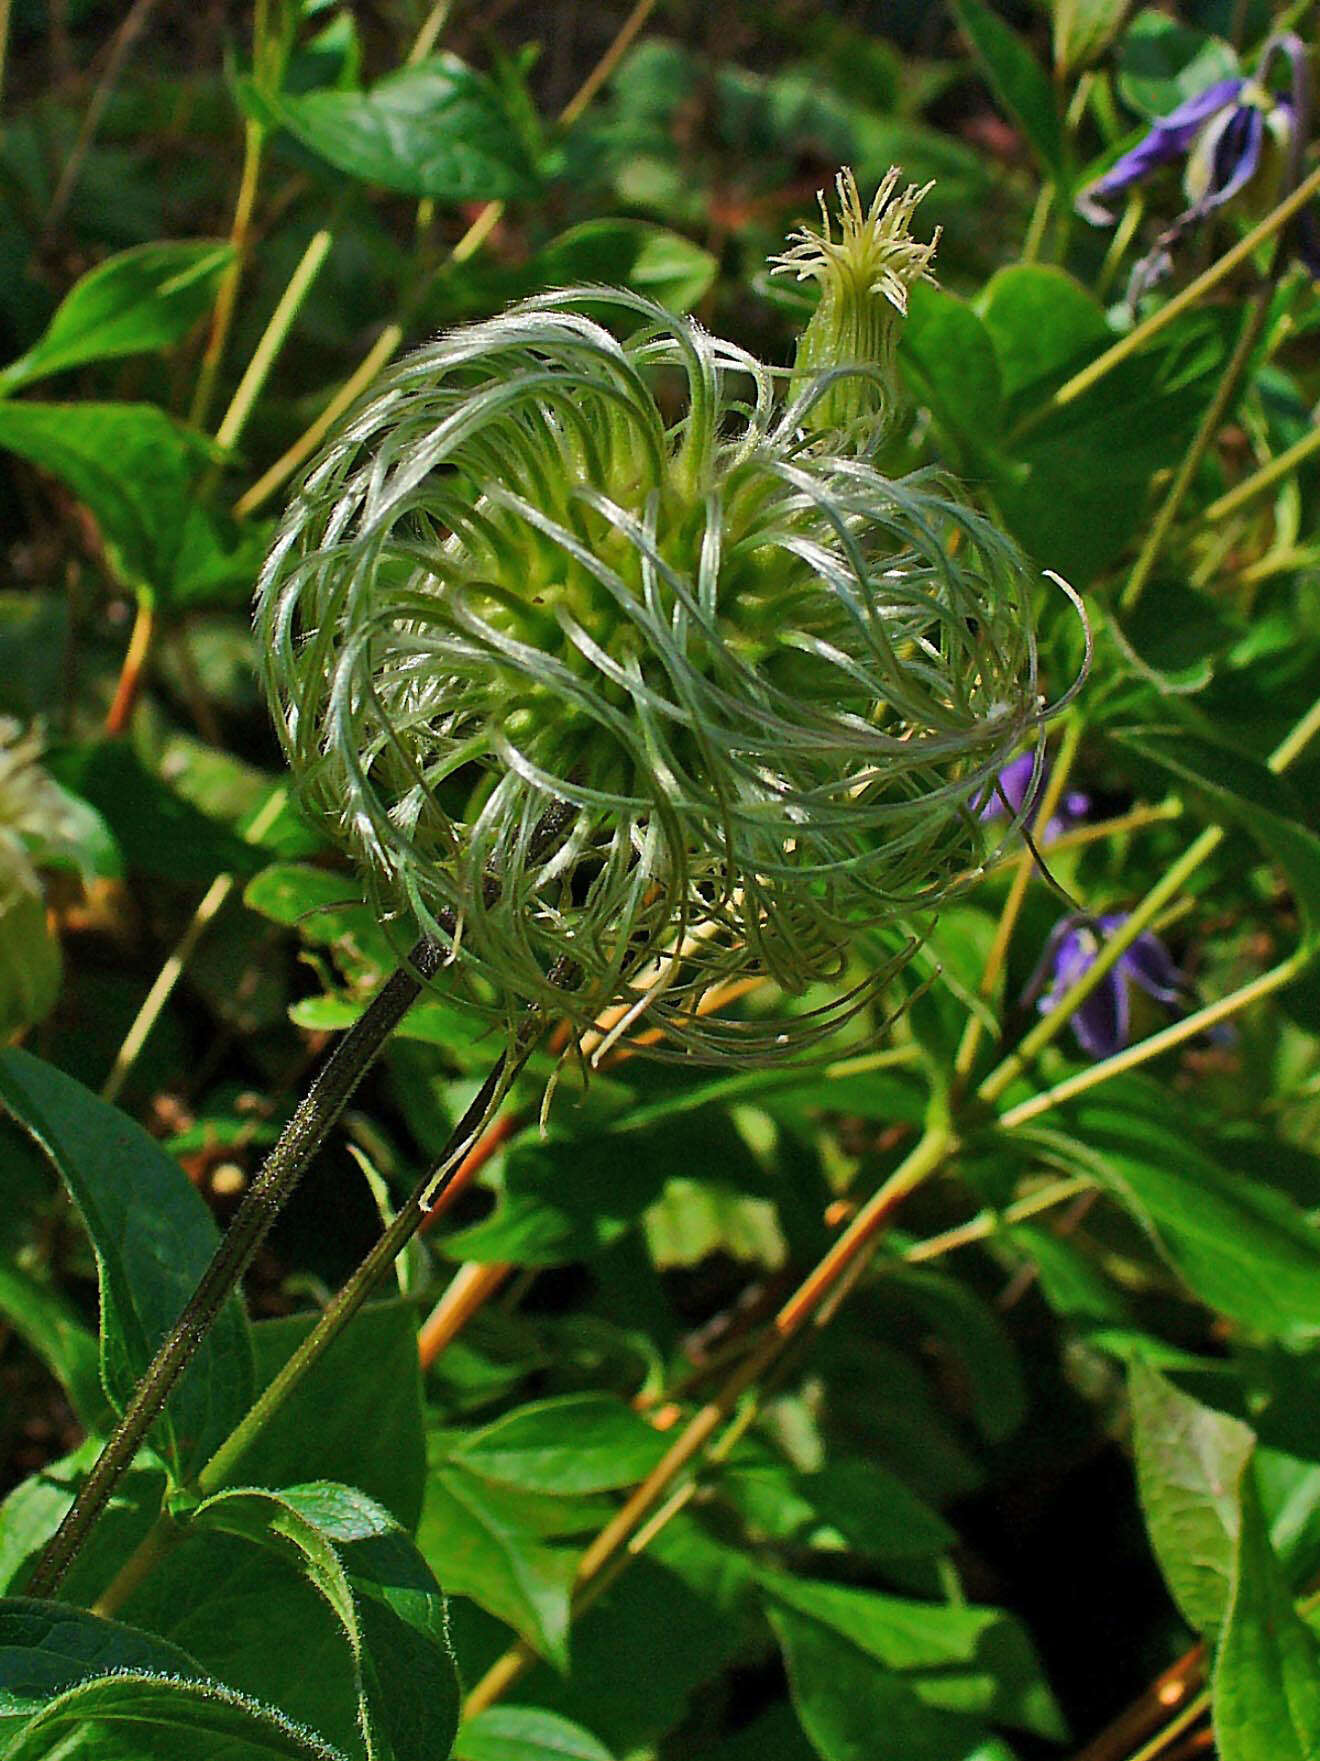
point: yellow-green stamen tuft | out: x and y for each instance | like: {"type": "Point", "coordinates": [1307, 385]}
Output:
{"type": "Point", "coordinates": [845, 362]}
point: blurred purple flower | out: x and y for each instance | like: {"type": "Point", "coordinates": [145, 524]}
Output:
{"type": "Point", "coordinates": [1102, 1022]}
{"type": "Point", "coordinates": [1223, 133]}
{"type": "Point", "coordinates": [1013, 790]}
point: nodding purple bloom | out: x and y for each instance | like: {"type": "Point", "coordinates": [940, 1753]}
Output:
{"type": "Point", "coordinates": [1017, 787]}
{"type": "Point", "coordinates": [1101, 1023]}
{"type": "Point", "coordinates": [1223, 134]}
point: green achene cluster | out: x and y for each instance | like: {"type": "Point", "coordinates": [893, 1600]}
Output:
{"type": "Point", "coordinates": [617, 665]}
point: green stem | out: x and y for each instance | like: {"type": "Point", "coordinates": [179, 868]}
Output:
{"type": "Point", "coordinates": [272, 339]}
{"type": "Point", "coordinates": [301, 1138]}
{"type": "Point", "coordinates": [429, 34]}
{"type": "Point", "coordinates": [1137, 339]}
{"type": "Point", "coordinates": [6, 12]}
{"type": "Point", "coordinates": [161, 1538]}
{"type": "Point", "coordinates": [209, 907]}
{"type": "Point", "coordinates": [306, 444]}
{"type": "Point", "coordinates": [1154, 1044]}
{"type": "Point", "coordinates": [254, 140]}
{"type": "Point", "coordinates": [1252, 325]}
{"type": "Point", "coordinates": [988, 1224]}
{"type": "Point", "coordinates": [1036, 226]}
{"type": "Point", "coordinates": [1124, 233]}
{"type": "Point", "coordinates": [1265, 478]}
{"type": "Point", "coordinates": [1195, 1708]}
{"type": "Point", "coordinates": [350, 1297]}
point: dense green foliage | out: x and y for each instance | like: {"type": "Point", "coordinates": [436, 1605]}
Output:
{"type": "Point", "coordinates": [936, 1400]}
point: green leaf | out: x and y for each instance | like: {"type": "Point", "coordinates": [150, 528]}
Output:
{"type": "Point", "coordinates": [643, 1653]}
{"type": "Point", "coordinates": [1083, 30]}
{"type": "Point", "coordinates": [196, 1719]}
{"type": "Point", "coordinates": [525, 1733]}
{"type": "Point", "coordinates": [854, 1709]}
{"type": "Point", "coordinates": [32, 1512]}
{"type": "Point", "coordinates": [693, 1219]}
{"type": "Point", "coordinates": [326, 908]}
{"type": "Point", "coordinates": [254, 1623]}
{"type": "Point", "coordinates": [48, 1647]}
{"type": "Point", "coordinates": [850, 1499]}
{"type": "Point", "coordinates": [1017, 80]}
{"type": "Point", "coordinates": [1266, 1684]}
{"type": "Point", "coordinates": [146, 298]}
{"type": "Point", "coordinates": [948, 359]}
{"type": "Point", "coordinates": [937, 1661]}
{"type": "Point", "coordinates": [1043, 325]}
{"type": "Point", "coordinates": [159, 832]}
{"type": "Point", "coordinates": [1072, 1284]}
{"type": "Point", "coordinates": [486, 1541]}
{"type": "Point", "coordinates": [44, 1318]}
{"type": "Point", "coordinates": [134, 467]}
{"type": "Point", "coordinates": [1049, 480]}
{"type": "Point", "coordinates": [380, 1590]}
{"type": "Point", "coordinates": [1162, 63]}
{"type": "Point", "coordinates": [576, 1443]}
{"type": "Point", "coordinates": [436, 129]}
{"type": "Point", "coordinates": [775, 1736]}
{"type": "Point", "coordinates": [428, 1023]}
{"type": "Point", "coordinates": [1178, 631]}
{"type": "Point", "coordinates": [153, 1238]}
{"type": "Point", "coordinates": [356, 1415]}
{"type": "Point", "coordinates": [968, 1327]}
{"type": "Point", "coordinates": [1190, 1463]}
{"type": "Point", "coordinates": [628, 253]}
{"type": "Point", "coordinates": [218, 558]}
{"type": "Point", "coordinates": [1244, 1249]}
{"type": "Point", "coordinates": [566, 1198]}
{"type": "Point", "coordinates": [1241, 791]}
{"type": "Point", "coordinates": [323, 903]}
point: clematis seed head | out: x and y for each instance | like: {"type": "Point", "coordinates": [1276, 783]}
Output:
{"type": "Point", "coordinates": [600, 663]}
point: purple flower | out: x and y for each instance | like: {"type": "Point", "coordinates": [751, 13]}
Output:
{"type": "Point", "coordinates": [1101, 1023]}
{"type": "Point", "coordinates": [1223, 134]}
{"type": "Point", "coordinates": [1014, 793]}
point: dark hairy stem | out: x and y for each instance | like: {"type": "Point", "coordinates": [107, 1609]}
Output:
{"type": "Point", "coordinates": [165, 1533]}
{"type": "Point", "coordinates": [301, 1138]}
{"type": "Point", "coordinates": [348, 1299]}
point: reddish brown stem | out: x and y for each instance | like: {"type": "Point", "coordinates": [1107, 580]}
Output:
{"type": "Point", "coordinates": [133, 671]}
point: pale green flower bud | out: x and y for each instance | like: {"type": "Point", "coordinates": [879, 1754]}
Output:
{"type": "Point", "coordinates": [864, 277]}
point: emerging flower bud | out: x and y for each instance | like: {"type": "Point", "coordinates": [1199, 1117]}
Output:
{"type": "Point", "coordinates": [654, 696]}
{"type": "Point", "coordinates": [846, 357]}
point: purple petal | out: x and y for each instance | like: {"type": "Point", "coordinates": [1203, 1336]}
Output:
{"type": "Point", "coordinates": [1101, 1023]}
{"type": "Point", "coordinates": [1192, 112]}
{"type": "Point", "coordinates": [1290, 46]}
{"type": "Point", "coordinates": [1072, 811]}
{"type": "Point", "coordinates": [1225, 158]}
{"type": "Point", "coordinates": [1238, 154]}
{"type": "Point", "coordinates": [1064, 931]}
{"type": "Point", "coordinates": [1149, 963]}
{"type": "Point", "coordinates": [1011, 785]}
{"type": "Point", "coordinates": [1170, 136]}
{"type": "Point", "coordinates": [1074, 955]}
